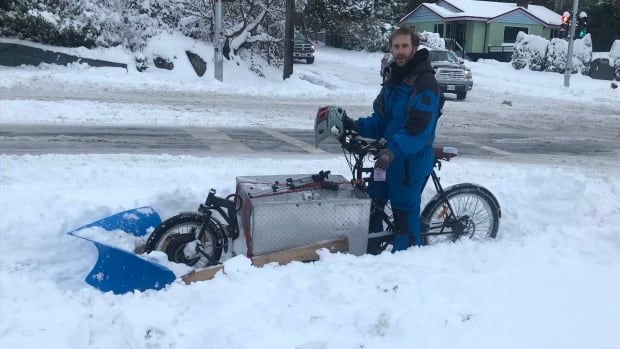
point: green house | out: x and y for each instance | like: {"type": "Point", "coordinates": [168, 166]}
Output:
{"type": "Point", "coordinates": [483, 29]}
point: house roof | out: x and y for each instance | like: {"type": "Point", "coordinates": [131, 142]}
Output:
{"type": "Point", "coordinates": [486, 11]}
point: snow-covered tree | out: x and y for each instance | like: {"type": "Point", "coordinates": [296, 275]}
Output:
{"type": "Point", "coordinates": [351, 24]}
{"type": "Point", "coordinates": [433, 40]}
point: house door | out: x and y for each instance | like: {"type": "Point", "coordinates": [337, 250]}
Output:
{"type": "Point", "coordinates": [460, 34]}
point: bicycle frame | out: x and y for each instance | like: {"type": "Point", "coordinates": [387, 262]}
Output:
{"type": "Point", "coordinates": [364, 175]}
{"type": "Point", "coordinates": [227, 210]}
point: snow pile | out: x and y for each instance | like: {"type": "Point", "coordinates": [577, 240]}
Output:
{"type": "Point", "coordinates": [548, 281]}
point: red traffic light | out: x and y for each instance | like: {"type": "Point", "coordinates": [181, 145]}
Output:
{"type": "Point", "coordinates": [564, 19]}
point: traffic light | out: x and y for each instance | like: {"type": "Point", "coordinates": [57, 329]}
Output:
{"type": "Point", "coordinates": [565, 26]}
{"type": "Point", "coordinates": [582, 25]}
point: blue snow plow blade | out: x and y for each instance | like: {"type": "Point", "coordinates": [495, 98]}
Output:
{"type": "Point", "coordinates": [122, 271]}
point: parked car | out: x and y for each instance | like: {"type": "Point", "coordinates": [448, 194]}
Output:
{"type": "Point", "coordinates": [451, 74]}
{"type": "Point", "coordinates": [601, 68]}
{"type": "Point", "coordinates": [303, 49]}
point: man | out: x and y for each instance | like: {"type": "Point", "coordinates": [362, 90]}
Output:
{"type": "Point", "coordinates": [405, 114]}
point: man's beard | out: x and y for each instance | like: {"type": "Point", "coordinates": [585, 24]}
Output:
{"type": "Point", "coordinates": [402, 60]}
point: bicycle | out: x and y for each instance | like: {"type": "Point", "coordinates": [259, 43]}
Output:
{"type": "Point", "coordinates": [464, 209]}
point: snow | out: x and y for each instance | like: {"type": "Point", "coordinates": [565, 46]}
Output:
{"type": "Point", "coordinates": [550, 279]}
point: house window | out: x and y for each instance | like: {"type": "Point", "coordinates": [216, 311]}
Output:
{"type": "Point", "coordinates": [438, 28]}
{"type": "Point", "coordinates": [510, 33]}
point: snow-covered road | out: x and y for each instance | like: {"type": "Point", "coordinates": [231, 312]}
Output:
{"type": "Point", "coordinates": [487, 124]}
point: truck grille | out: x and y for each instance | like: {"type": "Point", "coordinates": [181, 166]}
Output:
{"type": "Point", "coordinates": [450, 74]}
{"type": "Point", "coordinates": [303, 48]}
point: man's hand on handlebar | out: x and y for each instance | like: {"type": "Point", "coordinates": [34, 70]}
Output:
{"type": "Point", "coordinates": [347, 123]}
{"type": "Point", "coordinates": [384, 158]}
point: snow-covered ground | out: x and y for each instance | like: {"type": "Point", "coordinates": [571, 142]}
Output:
{"type": "Point", "coordinates": [550, 279]}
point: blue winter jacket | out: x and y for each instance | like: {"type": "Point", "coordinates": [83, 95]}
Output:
{"type": "Point", "coordinates": [405, 114]}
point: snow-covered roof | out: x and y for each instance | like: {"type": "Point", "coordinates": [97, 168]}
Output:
{"type": "Point", "coordinates": [486, 10]}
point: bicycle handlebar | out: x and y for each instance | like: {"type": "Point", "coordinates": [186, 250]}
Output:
{"type": "Point", "coordinates": [352, 142]}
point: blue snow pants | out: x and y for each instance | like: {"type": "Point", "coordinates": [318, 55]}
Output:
{"type": "Point", "coordinates": [405, 199]}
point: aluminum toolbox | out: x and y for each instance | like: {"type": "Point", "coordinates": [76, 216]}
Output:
{"type": "Point", "coordinates": [278, 220]}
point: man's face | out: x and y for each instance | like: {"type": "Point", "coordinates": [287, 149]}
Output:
{"type": "Point", "coordinates": [402, 50]}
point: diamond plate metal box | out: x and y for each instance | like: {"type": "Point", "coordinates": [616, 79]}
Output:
{"type": "Point", "coordinates": [274, 221]}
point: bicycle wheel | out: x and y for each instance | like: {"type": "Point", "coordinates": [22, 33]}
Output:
{"type": "Point", "coordinates": [476, 215]}
{"type": "Point", "coordinates": [176, 235]}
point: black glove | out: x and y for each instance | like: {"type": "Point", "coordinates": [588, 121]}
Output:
{"type": "Point", "coordinates": [348, 123]}
{"type": "Point", "coordinates": [384, 158]}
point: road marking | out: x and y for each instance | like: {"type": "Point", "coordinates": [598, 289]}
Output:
{"type": "Point", "coordinates": [219, 141]}
{"type": "Point", "coordinates": [290, 140]}
{"type": "Point", "coordinates": [487, 148]}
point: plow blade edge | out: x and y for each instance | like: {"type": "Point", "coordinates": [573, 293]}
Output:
{"type": "Point", "coordinates": [119, 270]}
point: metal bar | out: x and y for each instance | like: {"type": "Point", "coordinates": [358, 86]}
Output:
{"type": "Point", "coordinates": [571, 41]}
{"type": "Point", "coordinates": [218, 41]}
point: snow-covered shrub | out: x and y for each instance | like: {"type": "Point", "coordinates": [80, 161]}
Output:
{"type": "Point", "coordinates": [614, 52]}
{"type": "Point", "coordinates": [617, 68]}
{"type": "Point", "coordinates": [87, 23]}
{"type": "Point", "coordinates": [582, 54]}
{"type": "Point", "coordinates": [539, 54]}
{"type": "Point", "coordinates": [28, 20]}
{"type": "Point", "coordinates": [556, 56]}
{"type": "Point", "coordinates": [142, 62]}
{"type": "Point", "coordinates": [529, 51]}
{"type": "Point", "coordinates": [432, 40]}
{"type": "Point", "coordinates": [519, 54]}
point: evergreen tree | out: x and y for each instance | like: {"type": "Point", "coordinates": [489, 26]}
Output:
{"type": "Point", "coordinates": [604, 23]}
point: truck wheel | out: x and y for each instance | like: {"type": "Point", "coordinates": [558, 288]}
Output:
{"type": "Point", "coordinates": [310, 60]}
{"type": "Point", "coordinates": [461, 95]}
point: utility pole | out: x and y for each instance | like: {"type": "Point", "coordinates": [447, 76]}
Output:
{"type": "Point", "coordinates": [218, 40]}
{"type": "Point", "coordinates": [571, 41]}
{"type": "Point", "coordinates": [289, 34]}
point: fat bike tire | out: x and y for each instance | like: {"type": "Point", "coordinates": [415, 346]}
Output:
{"type": "Point", "coordinates": [175, 233]}
{"type": "Point", "coordinates": [477, 214]}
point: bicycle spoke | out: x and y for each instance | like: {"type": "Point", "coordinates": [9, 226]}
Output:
{"type": "Point", "coordinates": [477, 225]}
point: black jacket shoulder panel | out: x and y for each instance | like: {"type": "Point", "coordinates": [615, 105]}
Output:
{"type": "Point", "coordinates": [427, 81]}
